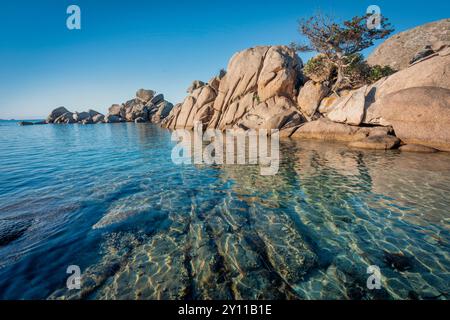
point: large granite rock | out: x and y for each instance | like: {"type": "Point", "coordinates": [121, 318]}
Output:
{"type": "Point", "coordinates": [145, 95]}
{"type": "Point", "coordinates": [350, 109]}
{"type": "Point", "coordinates": [275, 113]}
{"type": "Point", "coordinates": [80, 116]}
{"type": "Point", "coordinates": [310, 96]}
{"type": "Point", "coordinates": [117, 110]}
{"type": "Point", "coordinates": [66, 118]}
{"type": "Point", "coordinates": [56, 113]}
{"type": "Point", "coordinates": [98, 118]}
{"type": "Point", "coordinates": [160, 111]}
{"type": "Point", "coordinates": [257, 91]}
{"type": "Point", "coordinates": [110, 118]}
{"type": "Point", "coordinates": [135, 109]}
{"type": "Point", "coordinates": [399, 50]}
{"type": "Point", "coordinates": [418, 115]}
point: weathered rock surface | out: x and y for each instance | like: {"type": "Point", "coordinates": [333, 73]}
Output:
{"type": "Point", "coordinates": [66, 118]}
{"type": "Point", "coordinates": [399, 50]}
{"type": "Point", "coordinates": [98, 118]}
{"type": "Point", "coordinates": [431, 72]}
{"type": "Point", "coordinates": [195, 85]}
{"type": "Point", "coordinates": [258, 91]}
{"type": "Point", "coordinates": [109, 118]}
{"type": "Point", "coordinates": [117, 110]}
{"type": "Point", "coordinates": [310, 96]}
{"type": "Point", "coordinates": [55, 114]}
{"type": "Point", "coordinates": [79, 117]}
{"type": "Point", "coordinates": [160, 111]}
{"type": "Point", "coordinates": [327, 130]}
{"type": "Point", "coordinates": [198, 106]}
{"type": "Point", "coordinates": [145, 95]}
{"type": "Point", "coordinates": [418, 115]}
{"type": "Point", "coordinates": [350, 109]}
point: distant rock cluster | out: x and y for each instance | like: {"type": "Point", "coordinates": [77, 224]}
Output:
{"type": "Point", "coordinates": [146, 107]}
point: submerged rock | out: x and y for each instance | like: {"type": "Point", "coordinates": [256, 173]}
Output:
{"type": "Point", "coordinates": [398, 261]}
{"type": "Point", "coordinates": [11, 230]}
{"type": "Point", "coordinates": [25, 123]}
{"type": "Point", "coordinates": [376, 143]}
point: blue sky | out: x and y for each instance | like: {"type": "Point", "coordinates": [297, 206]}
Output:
{"type": "Point", "coordinates": [160, 45]}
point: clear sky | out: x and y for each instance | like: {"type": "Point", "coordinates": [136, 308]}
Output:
{"type": "Point", "coordinates": [160, 45]}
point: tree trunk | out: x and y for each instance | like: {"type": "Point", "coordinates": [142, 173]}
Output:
{"type": "Point", "coordinates": [339, 79]}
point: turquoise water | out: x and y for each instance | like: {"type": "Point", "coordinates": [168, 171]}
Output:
{"type": "Point", "coordinates": [108, 199]}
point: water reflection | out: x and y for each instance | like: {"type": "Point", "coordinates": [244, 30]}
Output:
{"type": "Point", "coordinates": [143, 228]}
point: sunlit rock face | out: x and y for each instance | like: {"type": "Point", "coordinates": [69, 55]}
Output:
{"type": "Point", "coordinates": [258, 91]}
{"type": "Point", "coordinates": [399, 50]}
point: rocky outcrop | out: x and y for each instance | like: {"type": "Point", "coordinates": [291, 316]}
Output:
{"type": "Point", "coordinates": [258, 91]}
{"type": "Point", "coordinates": [402, 49]}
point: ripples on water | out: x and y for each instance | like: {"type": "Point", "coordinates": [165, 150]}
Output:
{"type": "Point", "coordinates": [109, 199]}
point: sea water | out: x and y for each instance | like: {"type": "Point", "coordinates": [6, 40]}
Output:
{"type": "Point", "coordinates": [108, 199]}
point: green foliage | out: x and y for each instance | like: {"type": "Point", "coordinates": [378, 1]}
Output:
{"type": "Point", "coordinates": [256, 98]}
{"type": "Point", "coordinates": [377, 72]}
{"type": "Point", "coordinates": [318, 68]}
{"type": "Point", "coordinates": [356, 71]}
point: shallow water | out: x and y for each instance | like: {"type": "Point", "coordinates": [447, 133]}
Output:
{"type": "Point", "coordinates": [108, 199]}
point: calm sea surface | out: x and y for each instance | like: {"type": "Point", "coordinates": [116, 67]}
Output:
{"type": "Point", "coordinates": [108, 198]}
